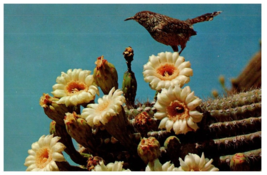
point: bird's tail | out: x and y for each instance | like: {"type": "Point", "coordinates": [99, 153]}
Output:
{"type": "Point", "coordinates": [202, 18]}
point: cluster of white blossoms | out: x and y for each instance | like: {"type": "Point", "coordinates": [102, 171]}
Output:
{"type": "Point", "coordinates": [44, 154]}
{"type": "Point", "coordinates": [192, 162]}
{"type": "Point", "coordinates": [97, 114]}
{"type": "Point", "coordinates": [176, 109]}
{"type": "Point", "coordinates": [75, 87]}
{"type": "Point", "coordinates": [116, 166]}
{"type": "Point", "coordinates": [167, 73]}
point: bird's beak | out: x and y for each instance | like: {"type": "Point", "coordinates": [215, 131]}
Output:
{"type": "Point", "coordinates": [129, 18]}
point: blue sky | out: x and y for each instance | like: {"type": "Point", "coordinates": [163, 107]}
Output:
{"type": "Point", "coordinates": [41, 41]}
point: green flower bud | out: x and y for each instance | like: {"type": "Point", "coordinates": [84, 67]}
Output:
{"type": "Point", "coordinates": [105, 75]}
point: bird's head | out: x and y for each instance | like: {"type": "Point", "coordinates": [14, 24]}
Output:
{"type": "Point", "coordinates": [141, 17]}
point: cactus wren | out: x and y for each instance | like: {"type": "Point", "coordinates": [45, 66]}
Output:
{"type": "Point", "coordinates": [170, 31]}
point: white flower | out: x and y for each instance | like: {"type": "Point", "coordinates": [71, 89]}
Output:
{"type": "Point", "coordinates": [116, 166]}
{"type": "Point", "coordinates": [44, 154]}
{"type": "Point", "coordinates": [107, 107]}
{"type": "Point", "coordinates": [193, 162]}
{"type": "Point", "coordinates": [157, 166]}
{"type": "Point", "coordinates": [167, 69]}
{"type": "Point", "coordinates": [75, 87]}
{"type": "Point", "coordinates": [176, 110]}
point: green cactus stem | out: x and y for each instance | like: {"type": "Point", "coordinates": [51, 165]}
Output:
{"type": "Point", "coordinates": [78, 129]}
{"type": "Point", "coordinates": [237, 127]}
{"type": "Point", "coordinates": [129, 87]}
{"type": "Point", "coordinates": [54, 110]}
{"type": "Point", "coordinates": [60, 131]}
{"type": "Point", "coordinates": [105, 75]}
{"type": "Point", "coordinates": [239, 162]}
{"type": "Point", "coordinates": [240, 112]}
{"type": "Point", "coordinates": [173, 145]}
{"type": "Point", "coordinates": [129, 84]}
{"type": "Point", "coordinates": [253, 159]}
{"type": "Point", "coordinates": [240, 99]}
{"type": "Point", "coordinates": [227, 145]}
{"type": "Point", "coordinates": [120, 128]}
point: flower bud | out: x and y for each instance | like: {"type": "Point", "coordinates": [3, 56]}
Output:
{"type": "Point", "coordinates": [149, 149]}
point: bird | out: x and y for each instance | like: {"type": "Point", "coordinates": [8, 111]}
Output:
{"type": "Point", "coordinates": [168, 30]}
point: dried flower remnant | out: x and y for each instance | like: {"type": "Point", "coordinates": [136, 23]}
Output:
{"type": "Point", "coordinates": [75, 87]}
{"type": "Point", "coordinates": [192, 162]}
{"type": "Point", "coordinates": [44, 154]}
{"type": "Point", "coordinates": [149, 149]}
{"type": "Point", "coordinates": [176, 110]}
{"type": "Point", "coordinates": [167, 69]}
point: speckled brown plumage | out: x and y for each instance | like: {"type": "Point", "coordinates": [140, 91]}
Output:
{"type": "Point", "coordinates": [170, 31]}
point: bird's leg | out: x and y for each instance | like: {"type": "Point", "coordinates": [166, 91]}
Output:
{"type": "Point", "coordinates": [182, 48]}
{"type": "Point", "coordinates": [175, 48]}
{"type": "Point", "coordinates": [181, 51]}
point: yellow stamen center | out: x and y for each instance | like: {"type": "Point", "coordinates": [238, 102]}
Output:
{"type": "Point", "coordinates": [167, 71]}
{"type": "Point", "coordinates": [177, 111]}
{"type": "Point", "coordinates": [75, 87]}
{"type": "Point", "coordinates": [43, 157]}
{"type": "Point", "coordinates": [102, 107]}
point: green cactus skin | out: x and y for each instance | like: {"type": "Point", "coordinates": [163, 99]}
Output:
{"type": "Point", "coordinates": [243, 126]}
{"type": "Point", "coordinates": [244, 98]}
{"type": "Point", "coordinates": [54, 110]}
{"type": "Point", "coordinates": [239, 162]}
{"type": "Point", "coordinates": [240, 112]}
{"type": "Point", "coordinates": [129, 88]}
{"type": "Point", "coordinates": [78, 129]}
{"type": "Point", "coordinates": [173, 145]}
{"type": "Point", "coordinates": [253, 156]}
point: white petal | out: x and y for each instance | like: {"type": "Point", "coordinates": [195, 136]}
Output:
{"type": "Point", "coordinates": [190, 97]}
{"type": "Point", "coordinates": [163, 122]}
{"type": "Point", "coordinates": [183, 165]}
{"type": "Point", "coordinates": [58, 157]}
{"type": "Point", "coordinates": [166, 165]}
{"type": "Point", "coordinates": [191, 124]}
{"type": "Point", "coordinates": [185, 92]}
{"type": "Point", "coordinates": [31, 167]}
{"type": "Point", "coordinates": [89, 80]}
{"type": "Point", "coordinates": [169, 57]}
{"type": "Point", "coordinates": [160, 115]}
{"type": "Point", "coordinates": [169, 125]}
{"type": "Point", "coordinates": [58, 93]}
{"type": "Point", "coordinates": [179, 61]}
{"type": "Point", "coordinates": [183, 65]}
{"type": "Point", "coordinates": [197, 116]}
{"type": "Point", "coordinates": [176, 127]}
{"type": "Point", "coordinates": [193, 104]}
{"type": "Point", "coordinates": [58, 86]}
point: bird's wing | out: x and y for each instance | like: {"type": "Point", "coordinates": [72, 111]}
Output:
{"type": "Point", "coordinates": [176, 26]}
